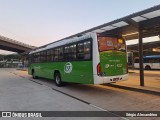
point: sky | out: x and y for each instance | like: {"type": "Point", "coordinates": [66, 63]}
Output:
{"type": "Point", "coordinates": [38, 22]}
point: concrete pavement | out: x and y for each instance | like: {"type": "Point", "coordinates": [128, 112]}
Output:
{"type": "Point", "coordinates": [105, 97]}
{"type": "Point", "coordinates": [151, 79]}
{"type": "Point", "coordinates": [19, 94]}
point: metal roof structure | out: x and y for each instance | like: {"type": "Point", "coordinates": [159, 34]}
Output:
{"type": "Point", "coordinates": [148, 20]}
{"type": "Point", "coordinates": [146, 46]}
{"type": "Point", "coordinates": [128, 26]}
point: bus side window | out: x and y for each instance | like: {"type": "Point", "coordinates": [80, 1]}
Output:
{"type": "Point", "coordinates": [49, 55]}
{"type": "Point", "coordinates": [70, 52]}
{"type": "Point", "coordinates": [60, 53]}
{"type": "Point", "coordinates": [34, 57]}
{"type": "Point", "coordinates": [87, 50]}
{"type": "Point", "coordinates": [52, 55]}
{"type": "Point", "coordinates": [66, 52]}
{"type": "Point", "coordinates": [80, 52]}
{"type": "Point", "coordinates": [43, 56]}
{"type": "Point", "coordinates": [56, 54]}
{"type": "Point", "coordinates": [84, 50]}
{"type": "Point", "coordinates": [156, 60]}
{"type": "Point", "coordinates": [136, 60]}
{"type": "Point", "coordinates": [39, 60]}
{"type": "Point", "coordinates": [145, 60]}
{"type": "Point", "coordinates": [150, 60]}
{"type": "Point", "coordinates": [30, 59]}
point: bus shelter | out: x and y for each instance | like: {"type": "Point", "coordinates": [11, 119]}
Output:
{"type": "Point", "coordinates": [138, 25]}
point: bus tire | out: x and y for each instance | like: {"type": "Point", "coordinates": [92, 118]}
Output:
{"type": "Point", "coordinates": [33, 74]}
{"type": "Point", "coordinates": [148, 67]}
{"type": "Point", "coordinates": [57, 79]}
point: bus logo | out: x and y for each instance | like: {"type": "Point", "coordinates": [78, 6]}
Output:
{"type": "Point", "coordinates": [68, 67]}
{"type": "Point", "coordinates": [109, 43]}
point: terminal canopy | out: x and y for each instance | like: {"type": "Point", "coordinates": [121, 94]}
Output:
{"type": "Point", "coordinates": [148, 20]}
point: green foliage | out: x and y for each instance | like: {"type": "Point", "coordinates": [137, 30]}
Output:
{"type": "Point", "coordinates": [1, 57]}
{"type": "Point", "coordinates": [9, 57]}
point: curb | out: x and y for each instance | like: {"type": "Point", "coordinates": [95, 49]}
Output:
{"type": "Point", "coordinates": [135, 89]}
{"type": "Point", "coordinates": [22, 69]}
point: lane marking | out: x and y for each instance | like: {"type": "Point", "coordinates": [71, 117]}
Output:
{"type": "Point", "coordinates": [97, 107]}
{"type": "Point", "coordinates": [34, 81]}
{"type": "Point", "coordinates": [89, 104]}
{"type": "Point", "coordinates": [71, 96]}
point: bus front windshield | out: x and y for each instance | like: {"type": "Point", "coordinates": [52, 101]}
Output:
{"type": "Point", "coordinates": [111, 43]}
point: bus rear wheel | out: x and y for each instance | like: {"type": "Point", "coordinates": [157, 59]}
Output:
{"type": "Point", "coordinates": [148, 68]}
{"type": "Point", "coordinates": [58, 81]}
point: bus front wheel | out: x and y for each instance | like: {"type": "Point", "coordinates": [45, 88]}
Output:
{"type": "Point", "coordinates": [58, 80]}
{"type": "Point", "coordinates": [33, 75]}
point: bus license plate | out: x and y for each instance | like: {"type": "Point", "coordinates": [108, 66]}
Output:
{"type": "Point", "coordinates": [115, 79]}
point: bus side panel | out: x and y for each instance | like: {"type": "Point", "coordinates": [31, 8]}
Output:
{"type": "Point", "coordinates": [37, 67]}
{"type": "Point", "coordinates": [47, 70]}
{"type": "Point", "coordinates": [82, 71]}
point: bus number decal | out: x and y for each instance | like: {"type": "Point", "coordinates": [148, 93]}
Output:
{"type": "Point", "coordinates": [68, 67]}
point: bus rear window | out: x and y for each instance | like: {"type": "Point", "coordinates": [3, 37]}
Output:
{"type": "Point", "coordinates": [111, 43]}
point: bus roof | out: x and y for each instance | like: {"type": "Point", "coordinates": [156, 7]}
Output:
{"type": "Point", "coordinates": [153, 56]}
{"type": "Point", "coordinates": [61, 42]}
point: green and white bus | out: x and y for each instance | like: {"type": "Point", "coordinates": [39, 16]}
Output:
{"type": "Point", "coordinates": [88, 59]}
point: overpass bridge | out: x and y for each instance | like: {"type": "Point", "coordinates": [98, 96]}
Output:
{"type": "Point", "coordinates": [13, 45]}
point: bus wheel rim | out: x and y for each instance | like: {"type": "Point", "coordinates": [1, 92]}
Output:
{"type": "Point", "coordinates": [57, 80]}
{"type": "Point", "coordinates": [33, 75]}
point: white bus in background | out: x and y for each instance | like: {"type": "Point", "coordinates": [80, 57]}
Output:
{"type": "Point", "coordinates": [150, 62]}
{"type": "Point", "coordinates": [130, 59]}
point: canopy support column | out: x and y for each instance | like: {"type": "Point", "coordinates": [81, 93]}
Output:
{"type": "Point", "coordinates": [141, 57]}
